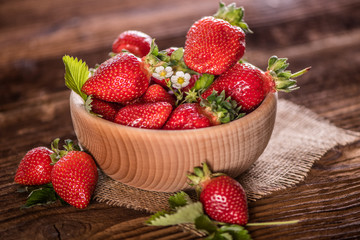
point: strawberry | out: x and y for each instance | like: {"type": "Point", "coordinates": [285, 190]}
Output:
{"type": "Point", "coordinates": [121, 79]}
{"type": "Point", "coordinates": [212, 111]}
{"type": "Point", "coordinates": [74, 176]}
{"type": "Point", "coordinates": [136, 42]}
{"type": "Point", "coordinates": [215, 43]}
{"type": "Point", "coordinates": [106, 110]}
{"type": "Point", "coordinates": [223, 198]}
{"type": "Point", "coordinates": [156, 93]}
{"type": "Point", "coordinates": [187, 116]}
{"type": "Point", "coordinates": [35, 167]}
{"type": "Point", "coordinates": [144, 115]}
{"type": "Point", "coordinates": [248, 85]}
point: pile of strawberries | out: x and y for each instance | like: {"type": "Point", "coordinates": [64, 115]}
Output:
{"type": "Point", "coordinates": [203, 84]}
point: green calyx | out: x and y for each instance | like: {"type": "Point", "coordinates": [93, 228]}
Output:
{"type": "Point", "coordinates": [234, 15]}
{"type": "Point", "coordinates": [284, 80]}
{"type": "Point", "coordinates": [59, 153]}
{"type": "Point", "coordinates": [224, 108]}
{"type": "Point", "coordinates": [201, 176]}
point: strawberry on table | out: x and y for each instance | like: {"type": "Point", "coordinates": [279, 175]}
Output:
{"type": "Point", "coordinates": [74, 176]}
{"type": "Point", "coordinates": [144, 115]}
{"type": "Point", "coordinates": [248, 85]}
{"type": "Point", "coordinates": [35, 167]}
{"type": "Point", "coordinates": [215, 43]}
{"type": "Point", "coordinates": [223, 198]}
{"type": "Point", "coordinates": [136, 42]}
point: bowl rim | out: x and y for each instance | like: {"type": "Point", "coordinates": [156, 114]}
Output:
{"type": "Point", "coordinates": [270, 97]}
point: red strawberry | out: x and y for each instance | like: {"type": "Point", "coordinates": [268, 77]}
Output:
{"type": "Point", "coordinates": [74, 177]}
{"type": "Point", "coordinates": [156, 93]}
{"type": "Point", "coordinates": [107, 110]}
{"type": "Point", "coordinates": [35, 168]}
{"type": "Point", "coordinates": [121, 79]}
{"type": "Point", "coordinates": [223, 198]}
{"type": "Point", "coordinates": [144, 115]}
{"type": "Point", "coordinates": [213, 111]}
{"type": "Point", "coordinates": [215, 43]}
{"type": "Point", "coordinates": [248, 85]}
{"type": "Point", "coordinates": [136, 42]}
{"type": "Point", "coordinates": [187, 116]}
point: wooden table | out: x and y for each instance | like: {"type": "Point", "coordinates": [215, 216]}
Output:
{"type": "Point", "coordinates": [34, 105]}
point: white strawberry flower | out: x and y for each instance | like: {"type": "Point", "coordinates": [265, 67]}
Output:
{"type": "Point", "coordinates": [180, 80]}
{"type": "Point", "coordinates": [162, 73]}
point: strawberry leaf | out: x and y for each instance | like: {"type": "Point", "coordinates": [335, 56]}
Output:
{"type": "Point", "coordinates": [41, 196]}
{"type": "Point", "coordinates": [76, 74]}
{"type": "Point", "coordinates": [204, 82]}
{"type": "Point", "coordinates": [177, 55]}
{"type": "Point", "coordinates": [156, 216]}
{"type": "Point", "coordinates": [180, 199]}
{"type": "Point", "coordinates": [185, 214]}
{"type": "Point", "coordinates": [237, 232]}
{"type": "Point", "coordinates": [203, 222]}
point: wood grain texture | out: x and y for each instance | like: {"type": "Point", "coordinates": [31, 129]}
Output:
{"type": "Point", "coordinates": [34, 105]}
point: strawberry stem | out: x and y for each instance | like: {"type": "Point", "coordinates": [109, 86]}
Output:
{"type": "Point", "coordinates": [301, 72]}
{"type": "Point", "coordinates": [272, 223]}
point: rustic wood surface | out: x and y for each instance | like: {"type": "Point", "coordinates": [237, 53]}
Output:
{"type": "Point", "coordinates": [34, 105]}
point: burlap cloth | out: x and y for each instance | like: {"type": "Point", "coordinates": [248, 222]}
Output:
{"type": "Point", "coordinates": [300, 138]}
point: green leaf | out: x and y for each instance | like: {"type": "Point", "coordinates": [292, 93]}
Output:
{"type": "Point", "coordinates": [203, 222]}
{"type": "Point", "coordinates": [204, 82]}
{"type": "Point", "coordinates": [236, 231]}
{"type": "Point", "coordinates": [76, 74]}
{"type": "Point", "coordinates": [180, 199]}
{"type": "Point", "coordinates": [185, 214]}
{"type": "Point", "coordinates": [41, 196]}
{"type": "Point", "coordinates": [156, 215]}
{"type": "Point", "coordinates": [177, 55]}
{"type": "Point", "coordinates": [219, 236]}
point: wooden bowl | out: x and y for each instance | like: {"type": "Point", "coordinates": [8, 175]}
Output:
{"type": "Point", "coordinates": [158, 160]}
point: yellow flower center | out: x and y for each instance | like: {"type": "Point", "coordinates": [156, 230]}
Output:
{"type": "Point", "coordinates": [163, 73]}
{"type": "Point", "coordinates": [180, 80]}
